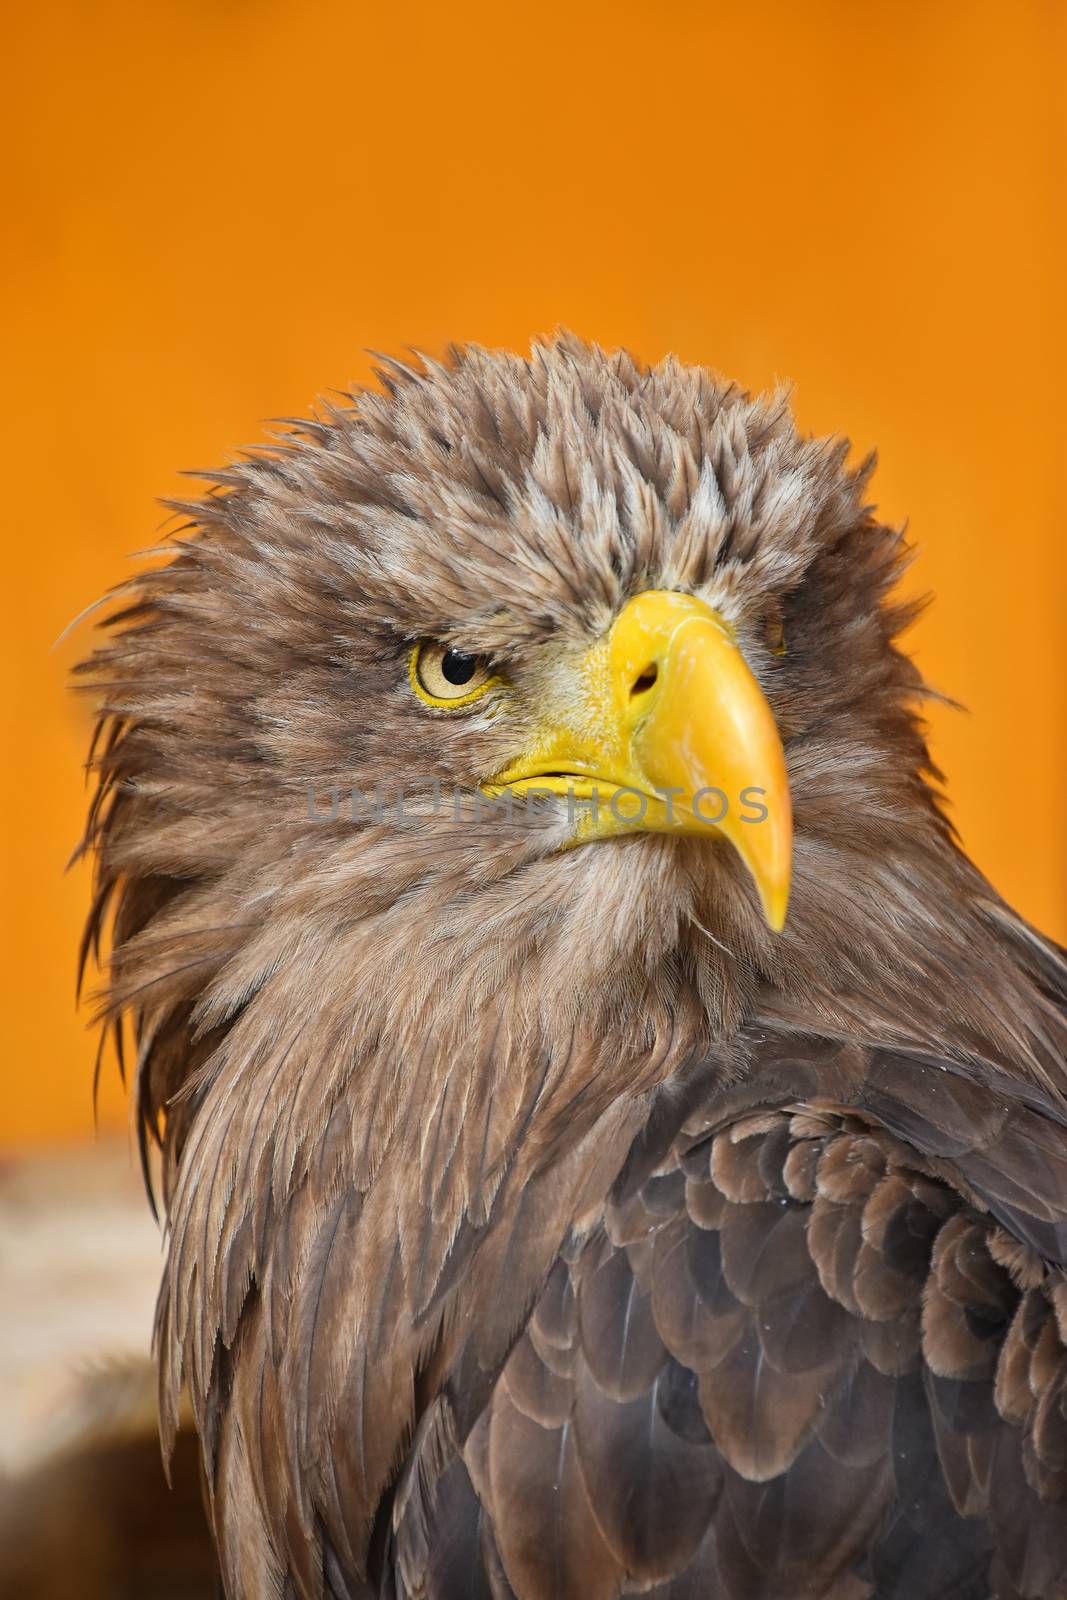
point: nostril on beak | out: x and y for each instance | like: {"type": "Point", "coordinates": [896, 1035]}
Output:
{"type": "Point", "coordinates": [644, 680]}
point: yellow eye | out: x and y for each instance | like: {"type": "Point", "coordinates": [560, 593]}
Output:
{"type": "Point", "coordinates": [444, 676]}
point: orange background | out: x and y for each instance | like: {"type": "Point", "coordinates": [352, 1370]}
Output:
{"type": "Point", "coordinates": [216, 207]}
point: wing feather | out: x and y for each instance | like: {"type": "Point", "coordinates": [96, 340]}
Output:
{"type": "Point", "coordinates": [812, 1349]}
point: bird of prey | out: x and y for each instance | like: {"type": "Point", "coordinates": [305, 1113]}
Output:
{"type": "Point", "coordinates": [614, 1142]}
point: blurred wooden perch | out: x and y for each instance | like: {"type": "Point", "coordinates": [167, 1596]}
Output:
{"type": "Point", "coordinates": [84, 1505]}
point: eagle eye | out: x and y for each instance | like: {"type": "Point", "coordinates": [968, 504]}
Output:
{"type": "Point", "coordinates": [444, 676]}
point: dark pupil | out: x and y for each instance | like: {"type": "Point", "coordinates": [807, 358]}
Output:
{"type": "Point", "coordinates": [458, 668]}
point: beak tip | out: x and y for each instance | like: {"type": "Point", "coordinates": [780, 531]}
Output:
{"type": "Point", "coordinates": [775, 903]}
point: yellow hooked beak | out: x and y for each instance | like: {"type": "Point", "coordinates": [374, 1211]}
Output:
{"type": "Point", "coordinates": [661, 727]}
